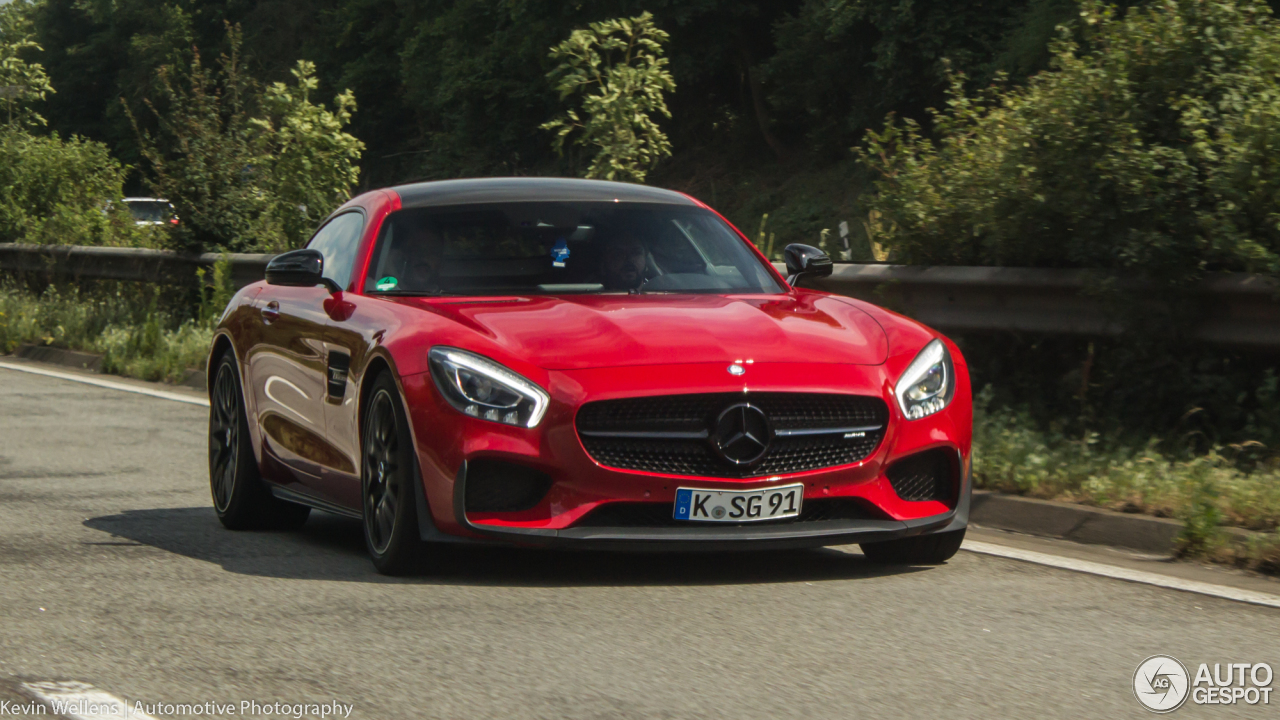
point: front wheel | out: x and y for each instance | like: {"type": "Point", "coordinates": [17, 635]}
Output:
{"type": "Point", "coordinates": [933, 549]}
{"type": "Point", "coordinates": [388, 472]}
{"type": "Point", "coordinates": [240, 497]}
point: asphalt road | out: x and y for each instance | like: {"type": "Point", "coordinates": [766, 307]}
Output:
{"type": "Point", "coordinates": [115, 572]}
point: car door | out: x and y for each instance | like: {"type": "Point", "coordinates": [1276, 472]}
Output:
{"type": "Point", "coordinates": [356, 323]}
{"type": "Point", "coordinates": [289, 369]}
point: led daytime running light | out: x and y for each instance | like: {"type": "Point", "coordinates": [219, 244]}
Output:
{"type": "Point", "coordinates": [933, 357]}
{"type": "Point", "coordinates": [499, 375]}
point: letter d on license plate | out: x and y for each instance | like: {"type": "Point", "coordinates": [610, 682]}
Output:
{"type": "Point", "coordinates": [700, 505]}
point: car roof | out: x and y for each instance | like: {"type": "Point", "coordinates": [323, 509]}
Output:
{"type": "Point", "coordinates": [526, 189]}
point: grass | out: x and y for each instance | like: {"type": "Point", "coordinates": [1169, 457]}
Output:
{"type": "Point", "coordinates": [1205, 491]}
{"type": "Point", "coordinates": [135, 336]}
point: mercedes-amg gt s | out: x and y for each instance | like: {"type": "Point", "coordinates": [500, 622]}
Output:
{"type": "Point", "coordinates": [576, 363]}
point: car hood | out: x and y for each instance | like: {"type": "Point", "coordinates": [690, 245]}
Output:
{"type": "Point", "coordinates": [596, 331]}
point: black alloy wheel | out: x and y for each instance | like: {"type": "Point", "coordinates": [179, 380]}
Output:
{"type": "Point", "coordinates": [932, 549]}
{"type": "Point", "coordinates": [388, 474]}
{"type": "Point", "coordinates": [240, 498]}
{"type": "Point", "coordinates": [224, 437]}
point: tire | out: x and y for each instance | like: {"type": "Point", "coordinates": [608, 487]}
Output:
{"type": "Point", "coordinates": [933, 549]}
{"type": "Point", "coordinates": [240, 497]}
{"type": "Point", "coordinates": [388, 470]}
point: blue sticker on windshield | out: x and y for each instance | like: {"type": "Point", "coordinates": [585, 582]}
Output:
{"type": "Point", "coordinates": [560, 253]}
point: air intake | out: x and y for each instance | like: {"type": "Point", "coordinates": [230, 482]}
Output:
{"type": "Point", "coordinates": [928, 475]}
{"type": "Point", "coordinates": [497, 486]}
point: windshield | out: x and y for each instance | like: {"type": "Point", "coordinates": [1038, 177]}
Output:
{"type": "Point", "coordinates": [562, 247]}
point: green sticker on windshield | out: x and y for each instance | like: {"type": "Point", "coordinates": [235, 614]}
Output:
{"type": "Point", "coordinates": [386, 283]}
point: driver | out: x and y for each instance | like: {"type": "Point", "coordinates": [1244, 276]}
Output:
{"type": "Point", "coordinates": [624, 262]}
{"type": "Point", "coordinates": [421, 251]}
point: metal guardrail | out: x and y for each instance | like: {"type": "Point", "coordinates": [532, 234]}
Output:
{"type": "Point", "coordinates": [108, 263]}
{"type": "Point", "coordinates": [1233, 309]}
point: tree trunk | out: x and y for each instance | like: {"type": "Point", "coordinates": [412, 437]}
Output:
{"type": "Point", "coordinates": [758, 104]}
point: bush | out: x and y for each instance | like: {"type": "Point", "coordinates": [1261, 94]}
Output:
{"type": "Point", "coordinates": [56, 191]}
{"type": "Point", "coordinates": [1151, 149]}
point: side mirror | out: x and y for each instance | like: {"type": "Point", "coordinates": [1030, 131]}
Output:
{"type": "Point", "coordinates": [806, 261]}
{"type": "Point", "coordinates": [299, 268]}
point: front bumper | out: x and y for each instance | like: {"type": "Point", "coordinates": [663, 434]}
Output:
{"type": "Point", "coordinates": [447, 441]}
{"type": "Point", "coordinates": [713, 538]}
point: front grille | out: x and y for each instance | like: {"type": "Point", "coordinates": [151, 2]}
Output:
{"type": "Point", "coordinates": [497, 486]}
{"type": "Point", "coordinates": [638, 514]}
{"type": "Point", "coordinates": [672, 434]}
{"type": "Point", "coordinates": [929, 475]}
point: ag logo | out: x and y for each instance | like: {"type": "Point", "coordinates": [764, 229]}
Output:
{"type": "Point", "coordinates": [1161, 683]}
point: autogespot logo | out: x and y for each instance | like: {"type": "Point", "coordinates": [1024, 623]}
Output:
{"type": "Point", "coordinates": [1161, 683]}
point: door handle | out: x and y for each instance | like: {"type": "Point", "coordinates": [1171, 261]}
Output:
{"type": "Point", "coordinates": [271, 312]}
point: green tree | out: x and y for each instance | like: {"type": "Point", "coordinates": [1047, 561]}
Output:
{"type": "Point", "coordinates": [616, 71]}
{"type": "Point", "coordinates": [206, 156]}
{"type": "Point", "coordinates": [22, 83]}
{"type": "Point", "coordinates": [246, 169]}
{"type": "Point", "coordinates": [314, 163]}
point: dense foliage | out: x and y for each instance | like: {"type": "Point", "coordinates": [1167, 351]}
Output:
{"type": "Point", "coordinates": [57, 191]}
{"type": "Point", "coordinates": [454, 88]}
{"type": "Point", "coordinates": [1151, 148]}
{"type": "Point", "coordinates": [246, 169]}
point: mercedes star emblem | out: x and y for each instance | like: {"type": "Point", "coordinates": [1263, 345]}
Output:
{"type": "Point", "coordinates": [742, 434]}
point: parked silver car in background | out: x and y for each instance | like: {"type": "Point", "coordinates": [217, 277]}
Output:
{"type": "Point", "coordinates": [151, 211]}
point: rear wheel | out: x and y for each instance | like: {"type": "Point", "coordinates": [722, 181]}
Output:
{"type": "Point", "coordinates": [388, 471]}
{"type": "Point", "coordinates": [240, 497]}
{"type": "Point", "coordinates": [932, 549]}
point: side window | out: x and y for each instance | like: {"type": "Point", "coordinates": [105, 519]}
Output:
{"type": "Point", "coordinates": [337, 241]}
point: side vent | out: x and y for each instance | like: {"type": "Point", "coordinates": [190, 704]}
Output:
{"type": "Point", "coordinates": [339, 365]}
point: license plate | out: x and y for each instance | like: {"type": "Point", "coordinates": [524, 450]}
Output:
{"type": "Point", "coordinates": [738, 505]}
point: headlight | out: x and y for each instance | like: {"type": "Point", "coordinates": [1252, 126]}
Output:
{"type": "Point", "coordinates": [928, 384]}
{"type": "Point", "coordinates": [480, 387]}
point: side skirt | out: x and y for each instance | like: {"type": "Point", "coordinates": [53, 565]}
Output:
{"type": "Point", "coordinates": [298, 498]}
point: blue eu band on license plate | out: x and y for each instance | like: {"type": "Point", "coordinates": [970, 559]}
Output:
{"type": "Point", "coordinates": [705, 505]}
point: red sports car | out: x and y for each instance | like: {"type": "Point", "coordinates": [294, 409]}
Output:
{"type": "Point", "coordinates": [585, 364]}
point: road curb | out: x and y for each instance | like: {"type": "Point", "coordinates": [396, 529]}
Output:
{"type": "Point", "coordinates": [89, 361]}
{"type": "Point", "coordinates": [1082, 523]}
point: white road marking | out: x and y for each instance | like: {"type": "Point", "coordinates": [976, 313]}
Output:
{"type": "Point", "coordinates": [79, 701]}
{"type": "Point", "coordinates": [1119, 573]}
{"type": "Point", "coordinates": [98, 382]}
